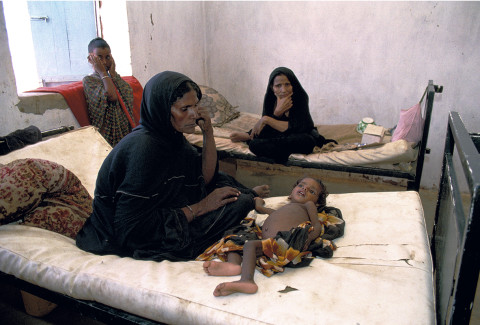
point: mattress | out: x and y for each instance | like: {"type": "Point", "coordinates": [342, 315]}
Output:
{"type": "Point", "coordinates": [397, 152]}
{"type": "Point", "coordinates": [381, 272]}
{"type": "Point", "coordinates": [81, 151]}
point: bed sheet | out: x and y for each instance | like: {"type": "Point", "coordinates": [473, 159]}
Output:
{"type": "Point", "coordinates": [381, 273]}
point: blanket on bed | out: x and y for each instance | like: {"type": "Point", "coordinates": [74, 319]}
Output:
{"type": "Point", "coordinates": [43, 194]}
{"type": "Point", "coordinates": [280, 255]}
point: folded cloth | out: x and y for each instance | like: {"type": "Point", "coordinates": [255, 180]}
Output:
{"type": "Point", "coordinates": [75, 98]}
{"type": "Point", "coordinates": [19, 139]}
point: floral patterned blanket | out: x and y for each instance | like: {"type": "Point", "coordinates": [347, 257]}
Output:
{"type": "Point", "coordinates": [285, 250]}
{"type": "Point", "coordinates": [44, 194]}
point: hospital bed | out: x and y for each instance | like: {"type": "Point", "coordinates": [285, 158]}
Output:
{"type": "Point", "coordinates": [381, 272]}
{"type": "Point", "coordinates": [399, 159]}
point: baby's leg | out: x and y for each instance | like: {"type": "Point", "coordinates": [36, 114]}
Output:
{"type": "Point", "coordinates": [231, 267]}
{"type": "Point", "coordinates": [227, 288]}
{"type": "Point", "coordinates": [246, 284]}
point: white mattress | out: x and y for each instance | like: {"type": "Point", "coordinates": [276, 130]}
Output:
{"type": "Point", "coordinates": [82, 151]}
{"type": "Point", "coordinates": [381, 272]}
{"type": "Point", "coordinates": [395, 152]}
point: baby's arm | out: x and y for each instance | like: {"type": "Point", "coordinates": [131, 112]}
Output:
{"type": "Point", "coordinates": [313, 216]}
{"type": "Point", "coordinates": [260, 206]}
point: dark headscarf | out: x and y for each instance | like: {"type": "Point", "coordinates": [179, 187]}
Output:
{"type": "Point", "coordinates": [144, 181]}
{"type": "Point", "coordinates": [157, 101]}
{"type": "Point", "coordinates": [300, 120]}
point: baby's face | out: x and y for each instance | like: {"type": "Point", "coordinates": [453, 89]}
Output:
{"type": "Point", "coordinates": [307, 190]}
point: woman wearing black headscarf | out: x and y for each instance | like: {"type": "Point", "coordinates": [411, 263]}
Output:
{"type": "Point", "coordinates": [286, 126]}
{"type": "Point", "coordinates": [156, 197]}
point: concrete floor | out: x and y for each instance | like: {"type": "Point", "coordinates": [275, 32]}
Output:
{"type": "Point", "coordinates": [281, 181]}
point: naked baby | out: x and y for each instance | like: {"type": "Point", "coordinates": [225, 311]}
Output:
{"type": "Point", "coordinates": [295, 225]}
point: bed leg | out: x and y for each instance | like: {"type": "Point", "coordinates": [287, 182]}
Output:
{"type": "Point", "coordinates": [36, 306]}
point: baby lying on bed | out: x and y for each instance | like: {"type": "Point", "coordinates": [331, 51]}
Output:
{"type": "Point", "coordinates": [283, 239]}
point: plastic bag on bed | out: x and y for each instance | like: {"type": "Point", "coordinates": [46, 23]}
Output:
{"type": "Point", "coordinates": [410, 125]}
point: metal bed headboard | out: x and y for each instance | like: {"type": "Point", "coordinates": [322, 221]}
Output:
{"type": "Point", "coordinates": [456, 233]}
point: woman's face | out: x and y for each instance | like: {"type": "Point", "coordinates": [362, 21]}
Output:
{"type": "Point", "coordinates": [184, 113]}
{"type": "Point", "coordinates": [105, 56]}
{"type": "Point", "coordinates": [281, 86]}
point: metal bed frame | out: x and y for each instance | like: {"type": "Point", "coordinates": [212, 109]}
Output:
{"type": "Point", "coordinates": [413, 178]}
{"type": "Point", "coordinates": [456, 233]}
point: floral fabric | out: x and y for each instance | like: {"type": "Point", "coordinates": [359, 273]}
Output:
{"type": "Point", "coordinates": [43, 194]}
{"type": "Point", "coordinates": [286, 248]}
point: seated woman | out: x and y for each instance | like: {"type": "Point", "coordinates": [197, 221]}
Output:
{"type": "Point", "coordinates": [157, 197]}
{"type": "Point", "coordinates": [286, 126]}
{"type": "Point", "coordinates": [109, 97]}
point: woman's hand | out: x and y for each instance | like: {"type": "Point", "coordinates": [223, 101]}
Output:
{"type": "Point", "coordinates": [204, 121]}
{"type": "Point", "coordinates": [283, 105]}
{"type": "Point", "coordinates": [258, 127]}
{"type": "Point", "coordinates": [97, 64]}
{"type": "Point", "coordinates": [218, 198]}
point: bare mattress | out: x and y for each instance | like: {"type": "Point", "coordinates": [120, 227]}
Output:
{"type": "Point", "coordinates": [380, 273]}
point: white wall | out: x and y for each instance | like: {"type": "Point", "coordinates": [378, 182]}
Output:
{"type": "Point", "coordinates": [354, 59]}
{"type": "Point", "coordinates": [166, 35]}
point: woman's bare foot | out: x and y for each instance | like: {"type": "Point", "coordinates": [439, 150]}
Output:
{"type": "Point", "coordinates": [227, 288]}
{"type": "Point", "coordinates": [239, 136]}
{"type": "Point", "coordinates": [221, 268]}
{"type": "Point", "coordinates": [262, 190]}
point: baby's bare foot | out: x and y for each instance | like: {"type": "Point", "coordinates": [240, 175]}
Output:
{"type": "Point", "coordinates": [262, 190]}
{"type": "Point", "coordinates": [221, 268]}
{"type": "Point", "coordinates": [227, 288]}
{"type": "Point", "coordinates": [239, 136]}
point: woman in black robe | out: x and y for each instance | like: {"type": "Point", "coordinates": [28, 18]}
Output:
{"type": "Point", "coordinates": [286, 126]}
{"type": "Point", "coordinates": [156, 197]}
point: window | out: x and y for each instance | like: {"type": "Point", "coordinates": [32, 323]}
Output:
{"type": "Point", "coordinates": [48, 40]}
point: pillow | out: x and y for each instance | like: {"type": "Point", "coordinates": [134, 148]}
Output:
{"type": "Point", "coordinates": [410, 125]}
{"type": "Point", "coordinates": [220, 109]}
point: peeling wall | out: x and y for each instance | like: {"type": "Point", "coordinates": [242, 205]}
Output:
{"type": "Point", "coordinates": [166, 35]}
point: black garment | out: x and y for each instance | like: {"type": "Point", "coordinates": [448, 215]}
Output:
{"type": "Point", "coordinates": [145, 181]}
{"type": "Point", "coordinates": [19, 139]}
{"type": "Point", "coordinates": [298, 138]}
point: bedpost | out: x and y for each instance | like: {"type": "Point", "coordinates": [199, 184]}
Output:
{"type": "Point", "coordinates": [456, 233]}
{"type": "Point", "coordinates": [422, 150]}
